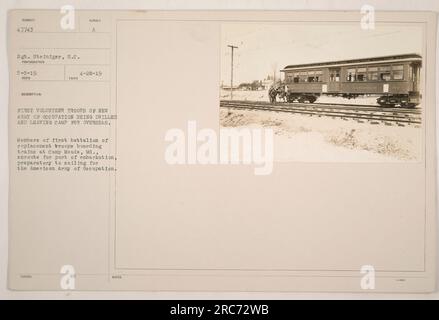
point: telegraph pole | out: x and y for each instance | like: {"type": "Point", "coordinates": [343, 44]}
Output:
{"type": "Point", "coordinates": [231, 72]}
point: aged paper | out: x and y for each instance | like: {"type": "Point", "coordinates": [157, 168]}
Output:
{"type": "Point", "coordinates": [222, 151]}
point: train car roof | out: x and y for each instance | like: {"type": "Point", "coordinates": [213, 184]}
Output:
{"type": "Point", "coordinates": [339, 63]}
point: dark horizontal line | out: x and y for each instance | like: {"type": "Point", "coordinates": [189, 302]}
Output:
{"type": "Point", "coordinates": [64, 64]}
{"type": "Point", "coordinates": [66, 80]}
{"type": "Point", "coordinates": [65, 48]}
{"type": "Point", "coordinates": [65, 32]}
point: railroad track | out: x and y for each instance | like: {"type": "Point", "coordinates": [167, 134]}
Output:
{"type": "Point", "coordinates": [358, 112]}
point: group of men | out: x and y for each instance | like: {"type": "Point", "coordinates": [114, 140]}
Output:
{"type": "Point", "coordinates": [276, 91]}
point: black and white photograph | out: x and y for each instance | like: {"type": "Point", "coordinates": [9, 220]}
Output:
{"type": "Point", "coordinates": [335, 92]}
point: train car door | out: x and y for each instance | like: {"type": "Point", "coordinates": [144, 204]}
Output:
{"type": "Point", "coordinates": [334, 80]}
{"type": "Point", "coordinates": [414, 76]}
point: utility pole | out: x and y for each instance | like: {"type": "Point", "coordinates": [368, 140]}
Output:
{"type": "Point", "coordinates": [231, 72]}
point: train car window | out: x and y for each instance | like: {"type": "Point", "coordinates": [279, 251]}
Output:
{"type": "Point", "coordinates": [311, 76]}
{"type": "Point", "coordinates": [332, 77]}
{"type": "Point", "coordinates": [303, 77]}
{"type": "Point", "coordinates": [372, 73]}
{"type": "Point", "coordinates": [318, 77]}
{"type": "Point", "coordinates": [411, 77]}
{"type": "Point", "coordinates": [373, 76]}
{"type": "Point", "coordinates": [361, 74]}
{"type": "Point", "coordinates": [350, 75]}
{"type": "Point", "coordinates": [385, 73]}
{"type": "Point", "coordinates": [385, 76]}
{"type": "Point", "coordinates": [398, 72]}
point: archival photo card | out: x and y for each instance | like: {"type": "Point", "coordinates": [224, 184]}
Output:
{"type": "Point", "coordinates": [222, 151]}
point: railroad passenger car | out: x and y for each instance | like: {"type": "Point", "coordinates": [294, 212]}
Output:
{"type": "Point", "coordinates": [394, 79]}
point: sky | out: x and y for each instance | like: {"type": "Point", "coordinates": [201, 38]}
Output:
{"type": "Point", "coordinates": [265, 47]}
